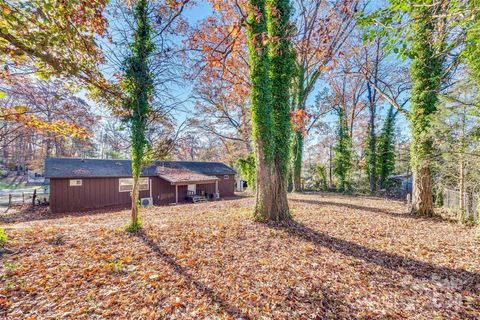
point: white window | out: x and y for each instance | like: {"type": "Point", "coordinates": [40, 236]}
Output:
{"type": "Point", "coordinates": [126, 184]}
{"type": "Point", "coordinates": [75, 183]}
{"type": "Point", "coordinates": [226, 177]}
{"type": "Point", "coordinates": [192, 188]}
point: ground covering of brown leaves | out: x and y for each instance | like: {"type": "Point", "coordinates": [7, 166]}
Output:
{"type": "Point", "coordinates": [341, 258]}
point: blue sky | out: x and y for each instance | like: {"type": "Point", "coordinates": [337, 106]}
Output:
{"type": "Point", "coordinates": [200, 11]}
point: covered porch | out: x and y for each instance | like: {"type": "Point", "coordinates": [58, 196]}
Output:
{"type": "Point", "coordinates": [199, 187]}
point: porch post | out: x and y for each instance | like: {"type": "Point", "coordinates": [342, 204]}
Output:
{"type": "Point", "coordinates": [216, 186]}
{"type": "Point", "coordinates": [176, 194]}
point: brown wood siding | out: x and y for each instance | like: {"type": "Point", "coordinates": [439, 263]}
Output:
{"type": "Point", "coordinates": [103, 192]}
{"type": "Point", "coordinates": [208, 188]}
{"type": "Point", "coordinates": [94, 193]}
{"type": "Point", "coordinates": [226, 187]}
{"type": "Point", "coordinates": [164, 192]}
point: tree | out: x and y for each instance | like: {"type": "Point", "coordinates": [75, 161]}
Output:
{"type": "Point", "coordinates": [223, 115]}
{"type": "Point", "coordinates": [426, 71]}
{"type": "Point", "coordinates": [457, 129]}
{"type": "Point", "coordinates": [219, 51]}
{"type": "Point", "coordinates": [142, 58]}
{"type": "Point", "coordinates": [51, 38]}
{"type": "Point", "coordinates": [320, 177]}
{"type": "Point", "coordinates": [58, 37]}
{"type": "Point", "coordinates": [246, 168]}
{"type": "Point", "coordinates": [342, 159]}
{"type": "Point", "coordinates": [386, 148]}
{"type": "Point", "coordinates": [433, 35]}
{"type": "Point", "coordinates": [373, 65]}
{"type": "Point", "coordinates": [139, 87]}
{"type": "Point", "coordinates": [282, 68]}
{"type": "Point", "coordinates": [322, 29]}
{"type": "Point", "coordinates": [271, 70]}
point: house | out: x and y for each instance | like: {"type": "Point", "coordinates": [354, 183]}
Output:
{"type": "Point", "coordinates": [81, 184]}
{"type": "Point", "coordinates": [402, 182]}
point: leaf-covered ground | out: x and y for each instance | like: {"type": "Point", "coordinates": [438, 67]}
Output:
{"type": "Point", "coordinates": [341, 258]}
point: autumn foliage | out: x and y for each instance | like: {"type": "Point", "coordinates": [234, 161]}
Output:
{"type": "Point", "coordinates": [300, 119]}
{"type": "Point", "coordinates": [63, 128]}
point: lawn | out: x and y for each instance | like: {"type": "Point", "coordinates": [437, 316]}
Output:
{"type": "Point", "coordinates": [341, 258]}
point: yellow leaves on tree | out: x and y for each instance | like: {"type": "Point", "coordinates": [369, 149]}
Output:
{"type": "Point", "coordinates": [62, 128]}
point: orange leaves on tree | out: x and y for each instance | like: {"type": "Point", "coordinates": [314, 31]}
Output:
{"type": "Point", "coordinates": [62, 128]}
{"type": "Point", "coordinates": [300, 119]}
{"type": "Point", "coordinates": [220, 52]}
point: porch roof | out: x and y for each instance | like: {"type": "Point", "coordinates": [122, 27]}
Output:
{"type": "Point", "coordinates": [181, 176]}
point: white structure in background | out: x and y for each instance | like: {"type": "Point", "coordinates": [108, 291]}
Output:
{"type": "Point", "coordinates": [35, 176]}
{"type": "Point", "coordinates": [239, 184]}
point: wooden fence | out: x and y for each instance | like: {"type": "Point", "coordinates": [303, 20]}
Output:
{"type": "Point", "coordinates": [32, 198]}
{"type": "Point", "coordinates": [451, 200]}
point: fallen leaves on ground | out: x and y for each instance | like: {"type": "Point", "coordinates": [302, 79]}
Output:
{"type": "Point", "coordinates": [340, 258]}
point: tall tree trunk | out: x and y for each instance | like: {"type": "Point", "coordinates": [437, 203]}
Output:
{"type": "Point", "coordinates": [297, 161]}
{"type": "Point", "coordinates": [297, 145]}
{"type": "Point", "coordinates": [461, 186]}
{"type": "Point", "coordinates": [463, 148]}
{"type": "Point", "coordinates": [139, 88]}
{"type": "Point", "coordinates": [372, 142]}
{"type": "Point", "coordinates": [271, 193]}
{"type": "Point", "coordinates": [425, 72]}
{"type": "Point", "coordinates": [343, 153]}
{"type": "Point", "coordinates": [270, 77]}
{"type": "Point", "coordinates": [48, 145]}
{"type": "Point", "coordinates": [386, 149]}
{"type": "Point", "coordinates": [282, 68]}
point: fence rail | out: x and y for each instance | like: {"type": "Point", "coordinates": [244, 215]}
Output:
{"type": "Point", "coordinates": [33, 198]}
{"type": "Point", "coordinates": [452, 198]}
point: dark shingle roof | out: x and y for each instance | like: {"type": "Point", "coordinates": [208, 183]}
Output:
{"type": "Point", "coordinates": [76, 167]}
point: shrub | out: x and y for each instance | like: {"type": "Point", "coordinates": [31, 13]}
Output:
{"type": "Point", "coordinates": [3, 237]}
{"type": "Point", "coordinates": [134, 227]}
{"type": "Point", "coordinates": [439, 198]}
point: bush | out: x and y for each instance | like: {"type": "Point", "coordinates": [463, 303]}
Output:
{"type": "Point", "coordinates": [246, 168]}
{"type": "Point", "coordinates": [134, 227]}
{"type": "Point", "coordinates": [439, 198]}
{"type": "Point", "coordinates": [3, 237]}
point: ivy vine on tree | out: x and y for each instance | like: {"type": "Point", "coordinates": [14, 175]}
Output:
{"type": "Point", "coordinates": [139, 87]}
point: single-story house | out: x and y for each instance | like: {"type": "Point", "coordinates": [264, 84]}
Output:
{"type": "Point", "coordinates": [80, 184]}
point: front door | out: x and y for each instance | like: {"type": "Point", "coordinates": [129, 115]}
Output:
{"type": "Point", "coordinates": [192, 189]}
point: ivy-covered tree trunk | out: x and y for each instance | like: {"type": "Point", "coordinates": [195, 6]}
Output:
{"type": "Point", "coordinates": [371, 154]}
{"type": "Point", "coordinates": [297, 149]}
{"type": "Point", "coordinates": [342, 159]}
{"type": "Point", "coordinates": [139, 87]}
{"type": "Point", "coordinates": [270, 73]}
{"type": "Point", "coordinates": [425, 73]}
{"type": "Point", "coordinates": [297, 141]}
{"type": "Point", "coordinates": [282, 68]}
{"type": "Point", "coordinates": [386, 149]}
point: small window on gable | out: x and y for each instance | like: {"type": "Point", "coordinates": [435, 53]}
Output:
{"type": "Point", "coordinates": [126, 184]}
{"type": "Point", "coordinates": [226, 177]}
{"type": "Point", "coordinates": [75, 183]}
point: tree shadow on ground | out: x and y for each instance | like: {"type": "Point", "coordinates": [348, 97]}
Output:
{"type": "Point", "coordinates": [465, 280]}
{"type": "Point", "coordinates": [328, 304]}
{"type": "Point", "coordinates": [194, 284]}
{"type": "Point", "coordinates": [404, 215]}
